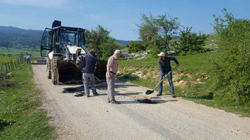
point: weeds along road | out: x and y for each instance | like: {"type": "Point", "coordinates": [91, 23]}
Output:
{"type": "Point", "coordinates": [81, 118]}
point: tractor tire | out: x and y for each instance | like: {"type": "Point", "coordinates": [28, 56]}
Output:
{"type": "Point", "coordinates": [54, 72]}
{"type": "Point", "coordinates": [49, 68]}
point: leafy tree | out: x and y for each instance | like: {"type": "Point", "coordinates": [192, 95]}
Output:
{"type": "Point", "coordinates": [167, 28]}
{"type": "Point", "coordinates": [148, 30]}
{"type": "Point", "coordinates": [158, 30]}
{"type": "Point", "coordinates": [100, 41]}
{"type": "Point", "coordinates": [221, 23]}
{"type": "Point", "coordinates": [108, 48]}
{"type": "Point", "coordinates": [97, 37]}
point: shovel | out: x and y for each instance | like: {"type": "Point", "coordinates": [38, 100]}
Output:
{"type": "Point", "coordinates": [152, 91]}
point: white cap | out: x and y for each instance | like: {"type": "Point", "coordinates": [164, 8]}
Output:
{"type": "Point", "coordinates": [161, 54]}
{"type": "Point", "coordinates": [117, 52]}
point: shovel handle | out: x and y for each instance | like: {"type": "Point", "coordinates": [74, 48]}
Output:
{"type": "Point", "coordinates": [165, 77]}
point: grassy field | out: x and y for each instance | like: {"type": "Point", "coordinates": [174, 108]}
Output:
{"type": "Point", "coordinates": [21, 114]}
{"type": "Point", "coordinates": [15, 51]}
{"type": "Point", "coordinates": [5, 59]}
{"type": "Point", "coordinates": [200, 68]}
{"type": "Point", "coordinates": [191, 63]}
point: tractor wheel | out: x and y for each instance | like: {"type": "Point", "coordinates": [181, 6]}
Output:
{"type": "Point", "coordinates": [49, 68]}
{"type": "Point", "coordinates": [54, 73]}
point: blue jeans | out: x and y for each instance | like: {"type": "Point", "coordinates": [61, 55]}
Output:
{"type": "Point", "coordinates": [170, 83]}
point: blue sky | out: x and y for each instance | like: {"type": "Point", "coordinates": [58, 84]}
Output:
{"type": "Point", "coordinates": [119, 16]}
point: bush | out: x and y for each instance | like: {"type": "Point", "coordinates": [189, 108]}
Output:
{"type": "Point", "coordinates": [191, 43]}
{"type": "Point", "coordinates": [136, 47]}
{"type": "Point", "coordinates": [232, 68]}
{"type": "Point", "coordinates": [108, 48]}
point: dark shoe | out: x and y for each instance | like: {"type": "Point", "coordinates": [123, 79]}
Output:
{"type": "Point", "coordinates": [115, 102]}
{"type": "Point", "coordinates": [79, 95]}
{"type": "Point", "coordinates": [108, 101]}
{"type": "Point", "coordinates": [159, 94]}
{"type": "Point", "coordinates": [95, 94]}
{"type": "Point", "coordinates": [173, 96]}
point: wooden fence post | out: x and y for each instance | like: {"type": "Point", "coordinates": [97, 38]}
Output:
{"type": "Point", "coordinates": [15, 63]}
{"type": "Point", "coordinates": [8, 64]}
{"type": "Point", "coordinates": [6, 68]}
{"type": "Point", "coordinates": [0, 68]}
{"type": "Point", "coordinates": [11, 68]}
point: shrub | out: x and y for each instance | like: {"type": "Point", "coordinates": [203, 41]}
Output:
{"type": "Point", "coordinates": [136, 47]}
{"type": "Point", "coordinates": [107, 49]}
{"type": "Point", "coordinates": [232, 68]}
{"type": "Point", "coordinates": [191, 43]}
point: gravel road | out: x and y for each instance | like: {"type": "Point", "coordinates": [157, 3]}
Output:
{"type": "Point", "coordinates": [82, 118]}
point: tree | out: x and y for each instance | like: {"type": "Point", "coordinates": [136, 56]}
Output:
{"type": "Point", "coordinates": [158, 29]}
{"type": "Point", "coordinates": [221, 23]}
{"type": "Point", "coordinates": [147, 29]}
{"type": "Point", "coordinates": [167, 28]}
{"type": "Point", "coordinates": [97, 37]}
{"type": "Point", "coordinates": [108, 48]}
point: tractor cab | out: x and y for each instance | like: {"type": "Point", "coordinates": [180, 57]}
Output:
{"type": "Point", "coordinates": [67, 42]}
{"type": "Point", "coordinates": [65, 50]}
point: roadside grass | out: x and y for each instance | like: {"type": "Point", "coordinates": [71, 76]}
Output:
{"type": "Point", "coordinates": [200, 67]}
{"type": "Point", "coordinates": [21, 114]}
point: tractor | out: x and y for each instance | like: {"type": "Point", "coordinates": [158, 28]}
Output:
{"type": "Point", "coordinates": [65, 49]}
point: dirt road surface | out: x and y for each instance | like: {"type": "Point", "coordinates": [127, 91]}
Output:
{"type": "Point", "coordinates": [82, 118]}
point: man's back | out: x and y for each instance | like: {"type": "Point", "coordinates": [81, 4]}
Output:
{"type": "Point", "coordinates": [89, 65]}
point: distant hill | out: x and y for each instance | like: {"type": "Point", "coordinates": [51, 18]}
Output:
{"type": "Point", "coordinates": [123, 42]}
{"type": "Point", "coordinates": [19, 38]}
{"type": "Point", "coordinates": [16, 37]}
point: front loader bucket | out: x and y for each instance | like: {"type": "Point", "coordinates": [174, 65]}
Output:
{"type": "Point", "coordinates": [69, 72]}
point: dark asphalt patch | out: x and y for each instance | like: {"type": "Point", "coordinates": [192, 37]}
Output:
{"type": "Point", "coordinates": [147, 101]}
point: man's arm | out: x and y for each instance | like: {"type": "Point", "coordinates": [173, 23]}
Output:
{"type": "Point", "coordinates": [175, 60]}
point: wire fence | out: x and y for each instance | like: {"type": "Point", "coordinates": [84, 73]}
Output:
{"type": "Point", "coordinates": [7, 67]}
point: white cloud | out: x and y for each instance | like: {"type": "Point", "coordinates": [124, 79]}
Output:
{"type": "Point", "coordinates": [38, 3]}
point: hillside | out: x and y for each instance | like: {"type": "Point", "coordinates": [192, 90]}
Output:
{"type": "Point", "coordinates": [123, 42]}
{"type": "Point", "coordinates": [19, 38]}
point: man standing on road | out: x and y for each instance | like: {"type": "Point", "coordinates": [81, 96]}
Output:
{"type": "Point", "coordinates": [165, 68]}
{"type": "Point", "coordinates": [88, 74]}
{"type": "Point", "coordinates": [112, 68]}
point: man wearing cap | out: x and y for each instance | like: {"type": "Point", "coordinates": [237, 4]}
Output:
{"type": "Point", "coordinates": [165, 68]}
{"type": "Point", "coordinates": [112, 68]}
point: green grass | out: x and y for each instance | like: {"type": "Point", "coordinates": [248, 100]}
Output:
{"type": "Point", "coordinates": [21, 115]}
{"type": "Point", "coordinates": [5, 59]}
{"type": "Point", "coordinates": [191, 63]}
{"type": "Point", "coordinates": [16, 51]}
{"type": "Point", "coordinates": [199, 66]}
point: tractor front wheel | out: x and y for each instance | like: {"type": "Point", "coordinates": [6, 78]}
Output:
{"type": "Point", "coordinates": [49, 68]}
{"type": "Point", "coordinates": [54, 73]}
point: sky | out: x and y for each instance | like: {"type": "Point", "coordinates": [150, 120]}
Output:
{"type": "Point", "coordinates": [121, 17]}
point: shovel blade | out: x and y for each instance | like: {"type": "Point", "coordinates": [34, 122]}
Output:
{"type": "Point", "coordinates": [149, 92]}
